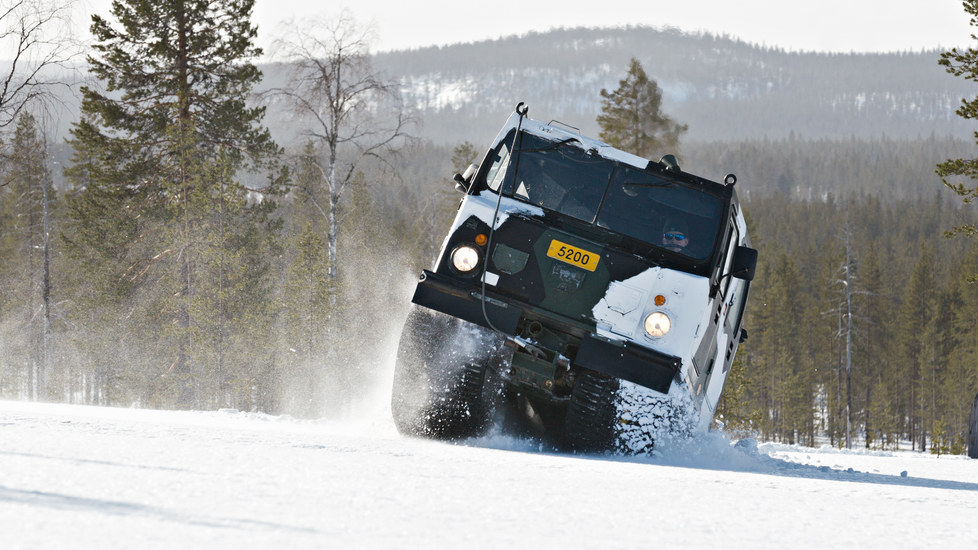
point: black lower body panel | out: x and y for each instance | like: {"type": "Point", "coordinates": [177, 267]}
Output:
{"type": "Point", "coordinates": [636, 364]}
{"type": "Point", "coordinates": [464, 302]}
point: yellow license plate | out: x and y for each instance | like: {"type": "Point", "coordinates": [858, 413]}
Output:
{"type": "Point", "coordinates": [573, 255]}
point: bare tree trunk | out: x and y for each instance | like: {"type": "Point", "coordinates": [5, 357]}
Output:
{"type": "Point", "coordinates": [913, 406]}
{"type": "Point", "coordinates": [185, 364]}
{"type": "Point", "coordinates": [848, 337]}
{"type": "Point", "coordinates": [334, 199]}
{"type": "Point", "coordinates": [47, 351]}
{"type": "Point", "coordinates": [838, 394]}
{"type": "Point", "coordinates": [36, 361]}
{"type": "Point", "coordinates": [868, 419]}
{"type": "Point", "coordinates": [223, 385]}
{"type": "Point", "coordinates": [32, 360]}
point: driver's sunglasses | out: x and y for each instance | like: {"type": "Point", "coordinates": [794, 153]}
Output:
{"type": "Point", "coordinates": [674, 236]}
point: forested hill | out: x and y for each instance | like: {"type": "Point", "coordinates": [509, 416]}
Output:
{"type": "Point", "coordinates": [722, 87]}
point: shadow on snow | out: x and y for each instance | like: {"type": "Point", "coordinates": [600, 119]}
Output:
{"type": "Point", "coordinates": [713, 451]}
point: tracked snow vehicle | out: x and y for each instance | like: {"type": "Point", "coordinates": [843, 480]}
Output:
{"type": "Point", "coordinates": [583, 294]}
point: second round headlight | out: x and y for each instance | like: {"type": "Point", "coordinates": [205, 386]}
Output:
{"type": "Point", "coordinates": [657, 324]}
{"type": "Point", "coordinates": [465, 258]}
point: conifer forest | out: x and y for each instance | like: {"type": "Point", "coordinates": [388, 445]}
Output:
{"type": "Point", "coordinates": [218, 226]}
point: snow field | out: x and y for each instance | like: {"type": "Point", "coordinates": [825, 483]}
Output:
{"type": "Point", "coordinates": [86, 477]}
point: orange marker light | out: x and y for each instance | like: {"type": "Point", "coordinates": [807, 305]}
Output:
{"type": "Point", "coordinates": [480, 239]}
{"type": "Point", "coordinates": [660, 300]}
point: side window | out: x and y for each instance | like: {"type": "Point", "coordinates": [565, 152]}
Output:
{"type": "Point", "coordinates": [497, 170]}
{"type": "Point", "coordinates": [736, 304]}
{"type": "Point", "coordinates": [735, 291]}
{"type": "Point", "coordinates": [733, 238]}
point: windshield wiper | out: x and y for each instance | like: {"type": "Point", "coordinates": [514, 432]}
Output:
{"type": "Point", "coordinates": [659, 184]}
{"type": "Point", "coordinates": [551, 146]}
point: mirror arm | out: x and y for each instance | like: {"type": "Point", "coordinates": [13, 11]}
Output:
{"type": "Point", "coordinates": [728, 274]}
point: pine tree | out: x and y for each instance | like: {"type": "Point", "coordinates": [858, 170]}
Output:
{"type": "Point", "coordinates": [916, 315]}
{"type": "Point", "coordinates": [940, 340]}
{"type": "Point", "coordinates": [963, 63]}
{"type": "Point", "coordinates": [960, 377]}
{"type": "Point", "coordinates": [632, 120]}
{"type": "Point", "coordinates": [26, 269]}
{"type": "Point", "coordinates": [162, 218]}
{"type": "Point", "coordinates": [785, 387]}
{"type": "Point", "coordinates": [463, 155]}
{"type": "Point", "coordinates": [308, 295]}
{"type": "Point", "coordinates": [873, 358]}
{"type": "Point", "coordinates": [738, 413]}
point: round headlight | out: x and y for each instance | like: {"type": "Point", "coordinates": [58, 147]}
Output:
{"type": "Point", "coordinates": [657, 324]}
{"type": "Point", "coordinates": [465, 258]}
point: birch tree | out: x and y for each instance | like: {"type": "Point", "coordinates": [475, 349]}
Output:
{"type": "Point", "coordinates": [37, 45]}
{"type": "Point", "coordinates": [846, 277]}
{"type": "Point", "coordinates": [350, 111]}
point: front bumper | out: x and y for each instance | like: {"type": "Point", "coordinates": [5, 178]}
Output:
{"type": "Point", "coordinates": [643, 366]}
{"type": "Point", "coordinates": [446, 295]}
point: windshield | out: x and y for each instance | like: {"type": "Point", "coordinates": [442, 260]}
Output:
{"type": "Point", "coordinates": [562, 177]}
{"type": "Point", "coordinates": [661, 212]}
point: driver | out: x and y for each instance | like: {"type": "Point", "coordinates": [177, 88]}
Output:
{"type": "Point", "coordinates": [675, 235]}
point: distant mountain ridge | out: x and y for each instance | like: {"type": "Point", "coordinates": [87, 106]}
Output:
{"type": "Point", "coordinates": [722, 87]}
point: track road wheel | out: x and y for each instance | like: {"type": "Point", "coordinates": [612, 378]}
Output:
{"type": "Point", "coordinates": [973, 430]}
{"type": "Point", "coordinates": [439, 377]}
{"type": "Point", "coordinates": [592, 415]}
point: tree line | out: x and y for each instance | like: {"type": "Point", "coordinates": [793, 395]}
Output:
{"type": "Point", "coordinates": [907, 330]}
{"type": "Point", "coordinates": [222, 299]}
{"type": "Point", "coordinates": [865, 326]}
{"type": "Point", "coordinates": [803, 168]}
{"type": "Point", "coordinates": [191, 261]}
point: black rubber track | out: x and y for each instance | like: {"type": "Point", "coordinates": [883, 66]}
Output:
{"type": "Point", "coordinates": [438, 391]}
{"type": "Point", "coordinates": [461, 412]}
{"type": "Point", "coordinates": [592, 415]}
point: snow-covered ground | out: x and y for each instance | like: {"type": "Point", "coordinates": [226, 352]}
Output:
{"type": "Point", "coordinates": [86, 477]}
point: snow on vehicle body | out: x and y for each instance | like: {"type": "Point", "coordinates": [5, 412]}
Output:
{"type": "Point", "coordinates": [582, 316]}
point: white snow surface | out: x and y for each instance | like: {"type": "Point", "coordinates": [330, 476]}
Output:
{"type": "Point", "coordinates": [88, 477]}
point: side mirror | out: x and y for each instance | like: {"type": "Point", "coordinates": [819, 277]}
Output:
{"type": "Point", "coordinates": [460, 185]}
{"type": "Point", "coordinates": [463, 180]}
{"type": "Point", "coordinates": [744, 263]}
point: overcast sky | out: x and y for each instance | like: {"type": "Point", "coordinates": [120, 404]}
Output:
{"type": "Point", "coordinates": [826, 25]}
